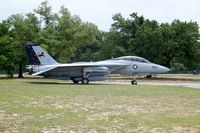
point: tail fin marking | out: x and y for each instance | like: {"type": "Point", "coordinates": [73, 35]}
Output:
{"type": "Point", "coordinates": [37, 55]}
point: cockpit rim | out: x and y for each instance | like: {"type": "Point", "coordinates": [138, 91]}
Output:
{"type": "Point", "coordinates": [132, 58]}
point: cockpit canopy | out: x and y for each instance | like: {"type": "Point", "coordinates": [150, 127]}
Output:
{"type": "Point", "coordinates": [133, 58]}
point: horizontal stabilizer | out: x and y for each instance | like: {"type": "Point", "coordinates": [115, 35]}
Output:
{"type": "Point", "coordinates": [43, 71]}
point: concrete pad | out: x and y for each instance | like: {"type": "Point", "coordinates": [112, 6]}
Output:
{"type": "Point", "coordinates": [148, 83]}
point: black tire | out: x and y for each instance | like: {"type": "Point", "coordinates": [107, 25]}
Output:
{"type": "Point", "coordinates": [149, 76]}
{"type": "Point", "coordinates": [134, 82]}
{"type": "Point", "coordinates": [75, 81]}
{"type": "Point", "coordinates": [85, 81]}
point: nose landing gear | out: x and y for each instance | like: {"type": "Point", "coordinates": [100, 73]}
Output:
{"type": "Point", "coordinates": [134, 81]}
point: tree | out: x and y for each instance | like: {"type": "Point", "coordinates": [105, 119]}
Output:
{"type": "Point", "coordinates": [22, 29]}
{"type": "Point", "coordinates": [185, 36]}
{"type": "Point", "coordinates": [57, 36]}
{"type": "Point", "coordinates": [147, 41]}
{"type": "Point", "coordinates": [112, 45]}
{"type": "Point", "coordinates": [7, 51]}
{"type": "Point", "coordinates": [165, 44]}
{"type": "Point", "coordinates": [45, 12]}
{"type": "Point", "coordinates": [65, 36]}
{"type": "Point", "coordinates": [87, 42]}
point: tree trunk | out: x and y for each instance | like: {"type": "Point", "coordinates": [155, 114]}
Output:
{"type": "Point", "coordinates": [20, 72]}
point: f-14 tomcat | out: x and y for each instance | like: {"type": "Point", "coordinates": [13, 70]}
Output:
{"type": "Point", "coordinates": [41, 63]}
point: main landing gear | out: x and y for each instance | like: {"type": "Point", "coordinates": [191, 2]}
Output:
{"type": "Point", "coordinates": [134, 81]}
{"type": "Point", "coordinates": [83, 81]}
{"type": "Point", "coordinates": [75, 81]}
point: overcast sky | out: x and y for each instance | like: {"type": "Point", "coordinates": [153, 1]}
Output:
{"type": "Point", "coordinates": [100, 12]}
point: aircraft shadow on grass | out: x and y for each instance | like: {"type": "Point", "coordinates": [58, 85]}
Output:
{"type": "Point", "coordinates": [62, 83]}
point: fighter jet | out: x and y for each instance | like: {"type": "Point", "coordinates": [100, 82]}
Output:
{"type": "Point", "coordinates": [41, 63]}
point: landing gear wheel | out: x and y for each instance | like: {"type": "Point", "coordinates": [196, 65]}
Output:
{"type": "Point", "coordinates": [75, 81]}
{"type": "Point", "coordinates": [85, 81]}
{"type": "Point", "coordinates": [134, 82]}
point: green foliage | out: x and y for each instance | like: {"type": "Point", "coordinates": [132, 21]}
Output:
{"type": "Point", "coordinates": [87, 41]}
{"type": "Point", "coordinates": [44, 10]}
{"type": "Point", "coordinates": [7, 51]}
{"type": "Point", "coordinates": [166, 44]}
{"type": "Point", "coordinates": [111, 45]}
{"type": "Point", "coordinates": [67, 38]}
{"type": "Point", "coordinates": [22, 29]}
{"type": "Point", "coordinates": [177, 66]}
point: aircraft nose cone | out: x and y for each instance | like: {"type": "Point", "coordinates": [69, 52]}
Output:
{"type": "Point", "coordinates": [164, 69]}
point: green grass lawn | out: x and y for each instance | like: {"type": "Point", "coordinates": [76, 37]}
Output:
{"type": "Point", "coordinates": [40, 105]}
